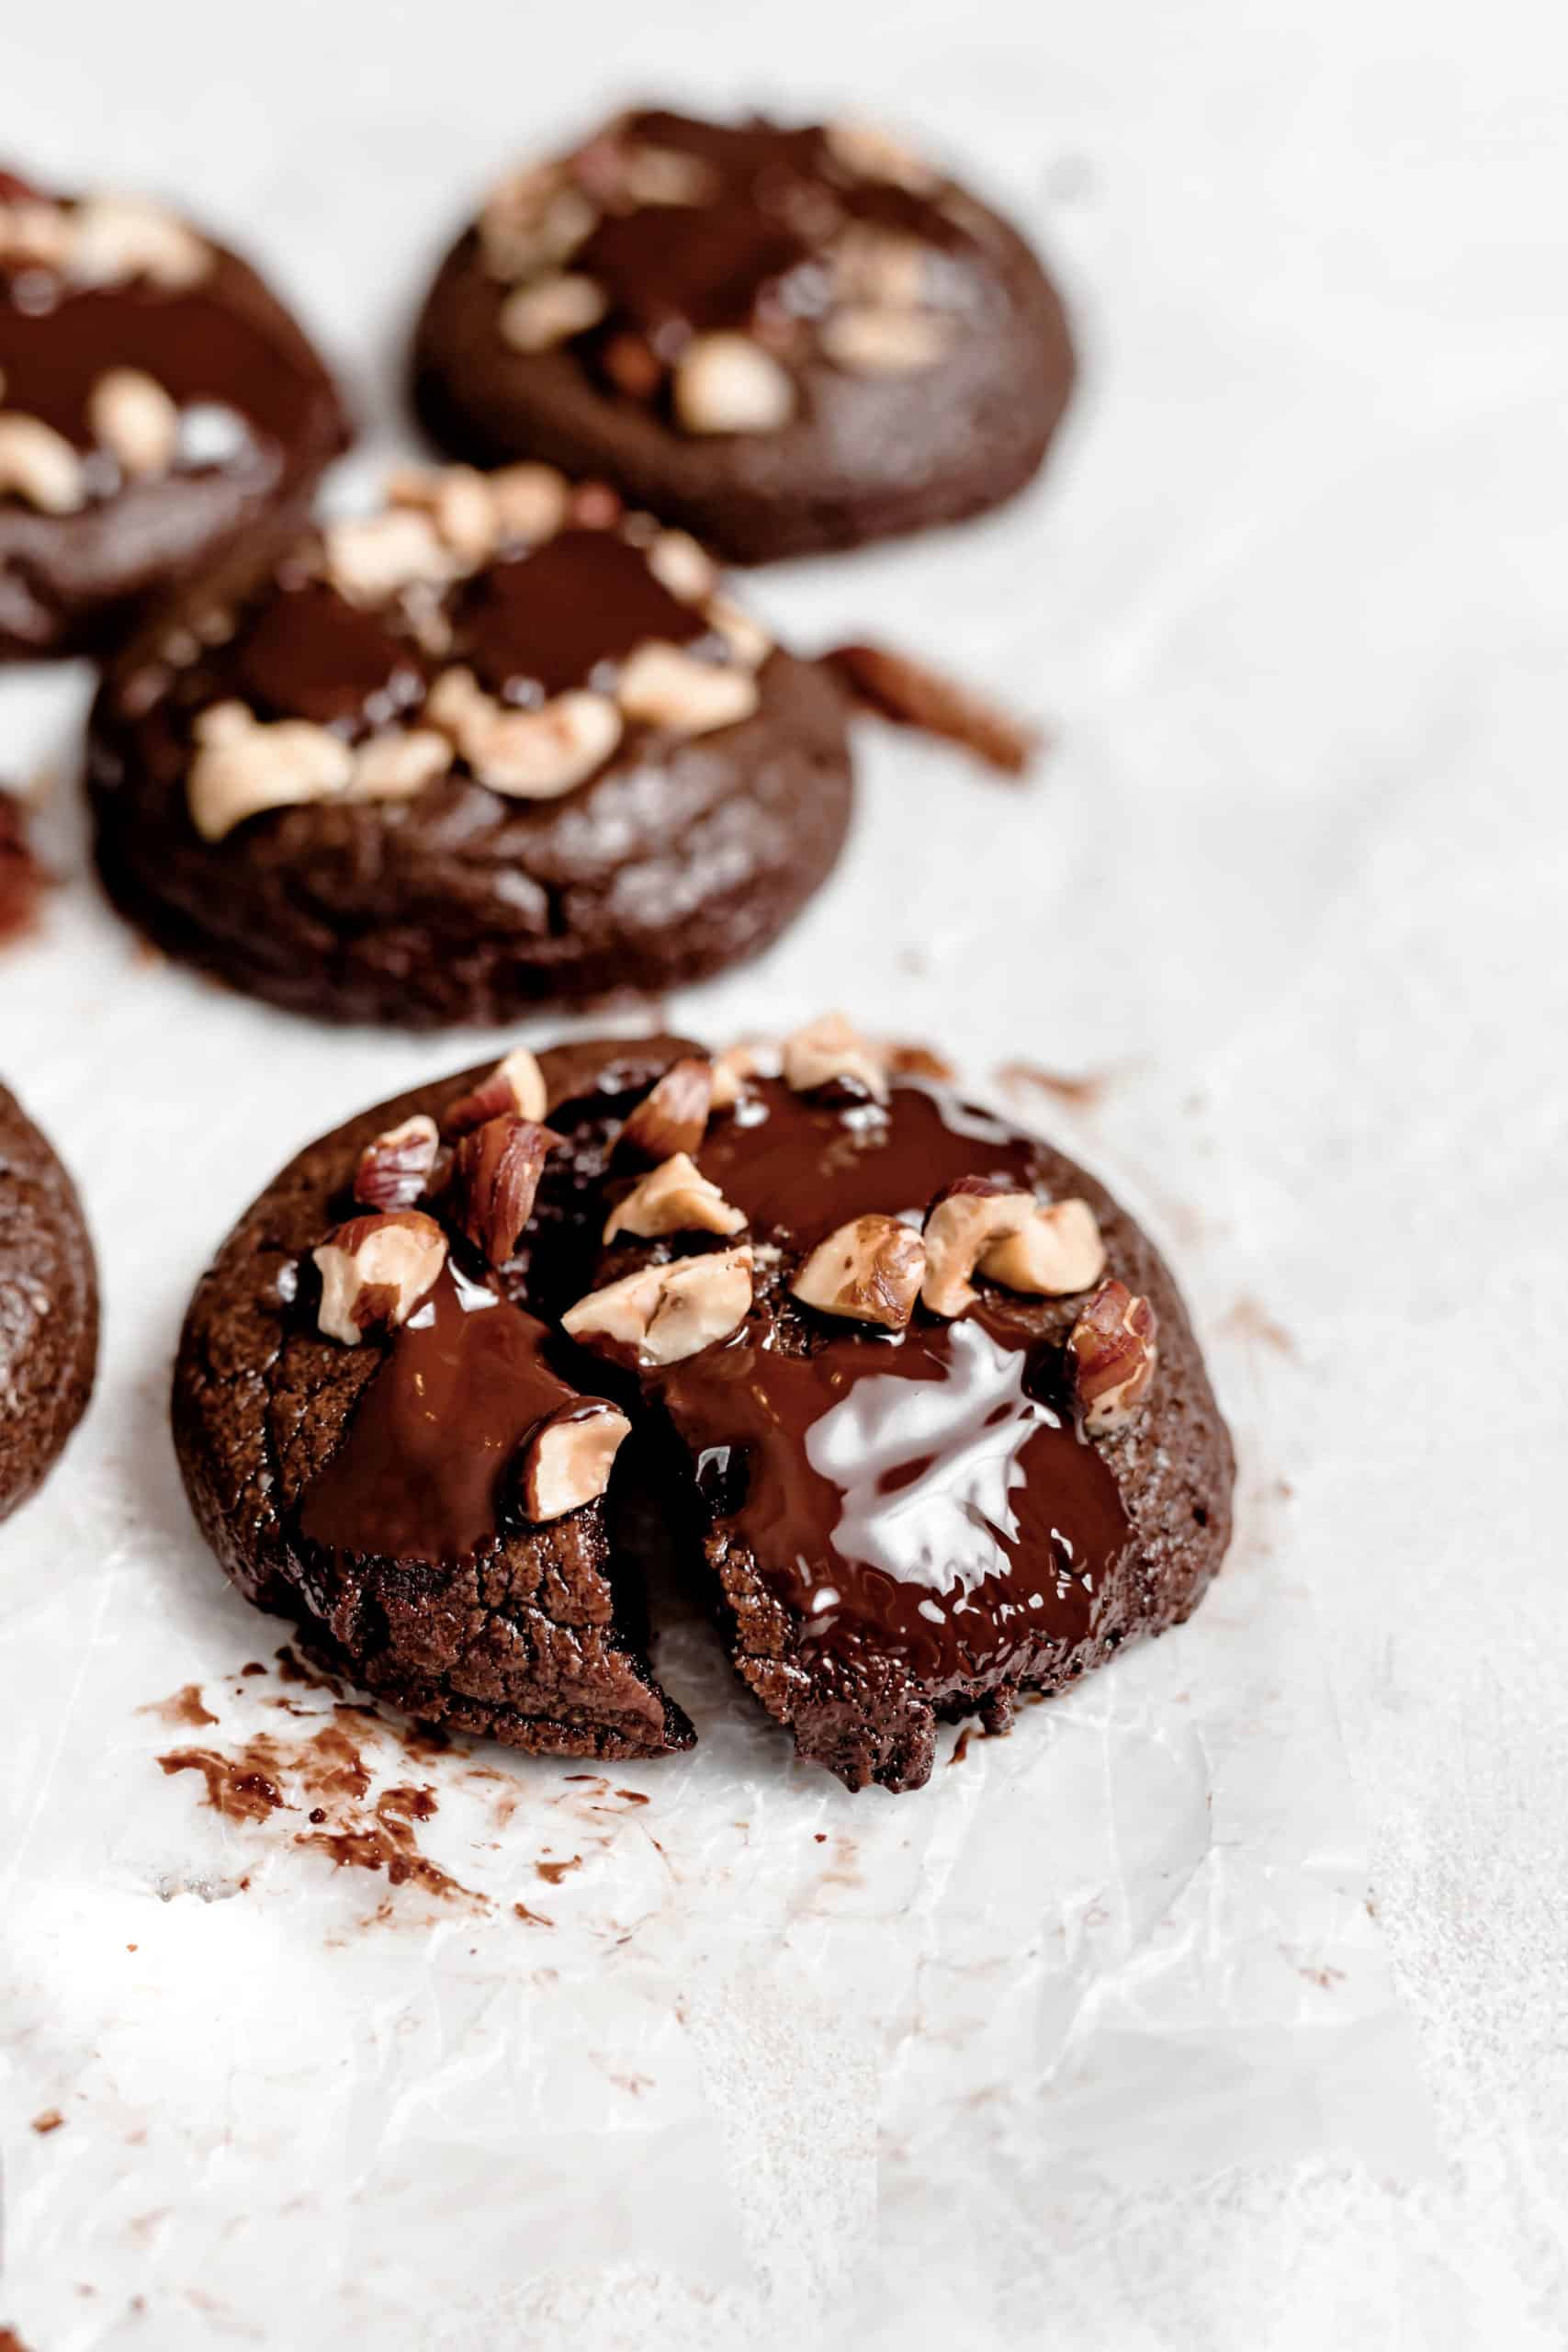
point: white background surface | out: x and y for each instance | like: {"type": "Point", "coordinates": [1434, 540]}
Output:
{"type": "Point", "coordinates": [1292, 602]}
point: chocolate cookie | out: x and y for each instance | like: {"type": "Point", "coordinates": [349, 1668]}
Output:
{"type": "Point", "coordinates": [155, 401]}
{"type": "Point", "coordinates": [49, 1307]}
{"type": "Point", "coordinates": [921, 1402]}
{"type": "Point", "coordinates": [497, 743]}
{"type": "Point", "coordinates": [789, 341]}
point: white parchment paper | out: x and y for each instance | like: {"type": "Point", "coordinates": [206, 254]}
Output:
{"type": "Point", "coordinates": [768, 2063]}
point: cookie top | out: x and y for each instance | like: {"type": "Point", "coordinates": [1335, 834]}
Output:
{"type": "Point", "coordinates": [153, 397]}
{"type": "Point", "coordinates": [49, 1307]}
{"type": "Point", "coordinates": [772, 301]}
{"type": "Point", "coordinates": [884, 1354]}
{"type": "Point", "coordinates": [474, 734]}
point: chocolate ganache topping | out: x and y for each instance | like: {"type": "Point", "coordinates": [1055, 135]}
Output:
{"type": "Point", "coordinates": [928, 1493]}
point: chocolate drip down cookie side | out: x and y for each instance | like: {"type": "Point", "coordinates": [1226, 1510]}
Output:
{"type": "Point", "coordinates": [157, 403]}
{"type": "Point", "coordinates": [920, 1400]}
{"type": "Point", "coordinates": [49, 1307]}
{"type": "Point", "coordinates": [502, 741]}
{"type": "Point", "coordinates": [790, 341]}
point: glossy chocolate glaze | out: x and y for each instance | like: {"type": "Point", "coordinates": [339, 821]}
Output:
{"type": "Point", "coordinates": [927, 1495]}
{"type": "Point", "coordinates": [749, 257]}
{"type": "Point", "coordinates": [542, 623]}
{"type": "Point", "coordinates": [307, 652]}
{"type": "Point", "coordinates": [205, 345]}
{"type": "Point", "coordinates": [422, 1472]}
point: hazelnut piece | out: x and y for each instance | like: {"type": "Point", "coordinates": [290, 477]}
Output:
{"type": "Point", "coordinates": [661, 687]}
{"type": "Point", "coordinates": [734, 1069]}
{"type": "Point", "coordinates": [1046, 1250]}
{"type": "Point", "coordinates": [673, 1198]}
{"type": "Point", "coordinates": [40, 465]}
{"type": "Point", "coordinates": [517, 1084]}
{"type": "Point", "coordinates": [136, 421]}
{"type": "Point", "coordinates": [1055, 1252]}
{"type": "Point", "coordinates": [495, 1174]}
{"type": "Point", "coordinates": [727, 383]}
{"type": "Point", "coordinates": [550, 310]}
{"type": "Point", "coordinates": [244, 766]}
{"type": "Point", "coordinates": [524, 754]}
{"type": "Point", "coordinates": [1114, 1356]}
{"type": "Point", "coordinates": [374, 1271]}
{"type": "Point", "coordinates": [372, 558]}
{"type": "Point", "coordinates": [870, 1271]}
{"type": "Point", "coordinates": [831, 1050]}
{"type": "Point", "coordinates": [864, 341]}
{"type": "Point", "coordinates": [664, 1313]}
{"type": "Point", "coordinates": [395, 1168]}
{"type": "Point", "coordinates": [671, 1117]}
{"type": "Point", "coordinates": [568, 1459]}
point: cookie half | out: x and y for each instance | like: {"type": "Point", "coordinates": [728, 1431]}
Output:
{"type": "Point", "coordinates": [156, 402]}
{"type": "Point", "coordinates": [49, 1307]}
{"type": "Point", "coordinates": [787, 340]}
{"type": "Point", "coordinates": [500, 742]}
{"type": "Point", "coordinates": [921, 1401]}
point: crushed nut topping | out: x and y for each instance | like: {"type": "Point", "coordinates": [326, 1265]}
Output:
{"type": "Point", "coordinates": [1113, 1352]}
{"type": "Point", "coordinates": [869, 1270]}
{"type": "Point", "coordinates": [727, 383]}
{"type": "Point", "coordinates": [103, 241]}
{"type": "Point", "coordinates": [886, 342]}
{"type": "Point", "coordinates": [567, 1460]}
{"type": "Point", "coordinates": [874, 153]}
{"type": "Point", "coordinates": [661, 687]}
{"type": "Point", "coordinates": [673, 1198]}
{"type": "Point", "coordinates": [374, 1271]}
{"type": "Point", "coordinates": [245, 765]}
{"type": "Point", "coordinates": [395, 1169]}
{"type": "Point", "coordinates": [524, 754]}
{"type": "Point", "coordinates": [733, 1070]}
{"type": "Point", "coordinates": [832, 1052]}
{"type": "Point", "coordinates": [135, 420]}
{"type": "Point", "coordinates": [671, 1116]}
{"type": "Point", "coordinates": [516, 1085]}
{"type": "Point", "coordinates": [1045, 1250]}
{"type": "Point", "coordinates": [40, 466]}
{"type": "Point", "coordinates": [495, 1176]}
{"type": "Point", "coordinates": [663, 1314]}
{"type": "Point", "coordinates": [548, 311]}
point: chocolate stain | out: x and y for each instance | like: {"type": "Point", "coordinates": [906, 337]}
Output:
{"type": "Point", "coordinates": [1083, 1090]}
{"type": "Point", "coordinates": [1250, 1319]}
{"type": "Point", "coordinates": [553, 1872]}
{"type": "Point", "coordinates": [633, 1796]}
{"type": "Point", "coordinates": [531, 1918]}
{"type": "Point", "coordinates": [238, 1787]}
{"type": "Point", "coordinates": [183, 1707]}
{"type": "Point", "coordinates": [10, 2341]}
{"type": "Point", "coordinates": [49, 2121]}
{"type": "Point", "coordinates": [389, 1841]}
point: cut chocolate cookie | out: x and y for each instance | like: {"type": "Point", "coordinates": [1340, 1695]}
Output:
{"type": "Point", "coordinates": [382, 1442]}
{"type": "Point", "coordinates": [156, 401]}
{"type": "Point", "coordinates": [499, 742]}
{"type": "Point", "coordinates": [922, 1400]}
{"type": "Point", "coordinates": [49, 1307]}
{"type": "Point", "coordinates": [789, 341]}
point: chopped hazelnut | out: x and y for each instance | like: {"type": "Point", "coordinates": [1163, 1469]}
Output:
{"type": "Point", "coordinates": [534, 220]}
{"type": "Point", "coordinates": [727, 383]}
{"type": "Point", "coordinates": [516, 1085]}
{"type": "Point", "coordinates": [650, 174]}
{"type": "Point", "coordinates": [661, 687]}
{"type": "Point", "coordinates": [678, 563]}
{"type": "Point", "coordinates": [872, 153]}
{"type": "Point", "coordinates": [671, 1116]}
{"type": "Point", "coordinates": [870, 1271]}
{"type": "Point", "coordinates": [881, 267]}
{"type": "Point", "coordinates": [548, 311]}
{"type": "Point", "coordinates": [457, 500]}
{"type": "Point", "coordinates": [831, 1050]}
{"type": "Point", "coordinates": [38, 464]}
{"type": "Point", "coordinates": [398, 763]}
{"type": "Point", "coordinates": [568, 1459]}
{"type": "Point", "coordinates": [374, 1271]}
{"type": "Point", "coordinates": [748, 640]}
{"type": "Point", "coordinates": [530, 501]}
{"type": "Point", "coordinates": [1114, 1356]}
{"type": "Point", "coordinates": [372, 558]}
{"type": "Point", "coordinates": [395, 1168]}
{"type": "Point", "coordinates": [1056, 1250]}
{"type": "Point", "coordinates": [733, 1070]}
{"type": "Point", "coordinates": [495, 1175]}
{"type": "Point", "coordinates": [675, 1198]}
{"type": "Point", "coordinates": [525, 754]}
{"type": "Point", "coordinates": [116, 237]}
{"type": "Point", "coordinates": [243, 767]}
{"type": "Point", "coordinates": [872, 341]}
{"type": "Point", "coordinates": [663, 1314]}
{"type": "Point", "coordinates": [135, 420]}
